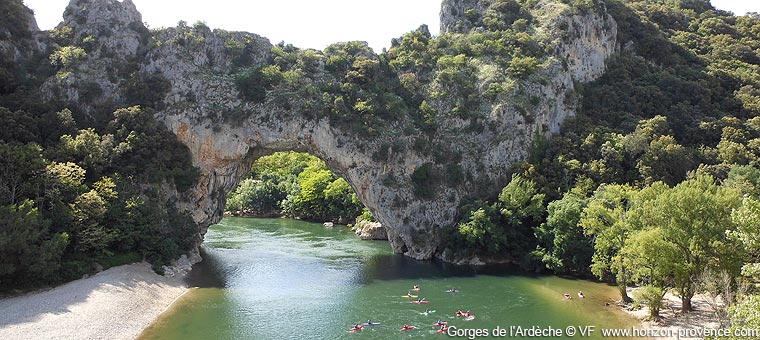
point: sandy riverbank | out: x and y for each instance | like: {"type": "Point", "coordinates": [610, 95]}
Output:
{"type": "Point", "coordinates": [117, 303]}
{"type": "Point", "coordinates": [673, 320]}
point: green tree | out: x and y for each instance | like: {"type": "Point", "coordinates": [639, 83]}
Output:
{"type": "Point", "coordinates": [562, 245]}
{"type": "Point", "coordinates": [694, 217]}
{"type": "Point", "coordinates": [91, 235]}
{"type": "Point", "coordinates": [28, 250]}
{"type": "Point", "coordinates": [606, 218]}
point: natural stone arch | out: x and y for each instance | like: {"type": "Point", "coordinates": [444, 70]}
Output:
{"type": "Point", "coordinates": [225, 133]}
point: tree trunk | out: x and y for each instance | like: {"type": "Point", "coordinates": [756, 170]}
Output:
{"type": "Point", "coordinates": [623, 286]}
{"type": "Point", "coordinates": [686, 303]}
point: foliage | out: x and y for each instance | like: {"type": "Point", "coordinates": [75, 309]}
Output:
{"type": "Point", "coordinates": [504, 228]}
{"type": "Point", "coordinates": [68, 56]}
{"type": "Point", "coordinates": [653, 297]}
{"type": "Point", "coordinates": [563, 247]}
{"type": "Point", "coordinates": [424, 179]}
{"type": "Point", "coordinates": [297, 185]}
{"type": "Point", "coordinates": [88, 196]}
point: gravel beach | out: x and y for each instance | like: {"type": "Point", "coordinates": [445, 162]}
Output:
{"type": "Point", "coordinates": [117, 303]}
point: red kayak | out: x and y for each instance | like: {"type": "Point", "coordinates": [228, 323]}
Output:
{"type": "Point", "coordinates": [443, 330]}
{"type": "Point", "coordinates": [420, 302]}
{"type": "Point", "coordinates": [404, 329]}
{"type": "Point", "coordinates": [356, 328]}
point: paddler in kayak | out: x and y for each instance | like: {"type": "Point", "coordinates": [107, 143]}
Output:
{"type": "Point", "coordinates": [439, 323]}
{"type": "Point", "coordinates": [419, 300]}
{"type": "Point", "coordinates": [409, 293]}
{"type": "Point", "coordinates": [416, 287]}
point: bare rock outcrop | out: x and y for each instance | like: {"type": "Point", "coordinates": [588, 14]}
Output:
{"type": "Point", "coordinates": [225, 133]}
{"type": "Point", "coordinates": [370, 230]}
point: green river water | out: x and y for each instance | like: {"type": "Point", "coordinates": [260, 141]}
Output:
{"type": "Point", "coordinates": [286, 279]}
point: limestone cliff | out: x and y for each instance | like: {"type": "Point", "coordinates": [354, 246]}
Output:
{"type": "Point", "coordinates": [200, 101]}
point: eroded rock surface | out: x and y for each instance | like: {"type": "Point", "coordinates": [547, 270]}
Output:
{"type": "Point", "coordinates": [200, 102]}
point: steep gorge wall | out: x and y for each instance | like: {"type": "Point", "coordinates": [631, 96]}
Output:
{"type": "Point", "coordinates": [202, 96]}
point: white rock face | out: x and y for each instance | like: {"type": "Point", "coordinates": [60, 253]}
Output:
{"type": "Point", "coordinates": [371, 231]}
{"type": "Point", "coordinates": [225, 134]}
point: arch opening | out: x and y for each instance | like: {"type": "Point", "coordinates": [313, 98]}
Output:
{"type": "Point", "coordinates": [300, 186]}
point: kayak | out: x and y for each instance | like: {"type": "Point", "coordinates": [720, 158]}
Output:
{"type": "Point", "coordinates": [452, 291]}
{"type": "Point", "coordinates": [440, 324]}
{"type": "Point", "coordinates": [420, 302]}
{"type": "Point", "coordinates": [427, 313]}
{"type": "Point", "coordinates": [416, 289]}
{"type": "Point", "coordinates": [410, 296]}
{"type": "Point", "coordinates": [471, 317]}
{"type": "Point", "coordinates": [356, 328]}
{"type": "Point", "coordinates": [442, 330]}
{"type": "Point", "coordinates": [404, 329]}
{"type": "Point", "coordinates": [371, 324]}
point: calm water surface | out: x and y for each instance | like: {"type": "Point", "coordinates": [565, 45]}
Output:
{"type": "Point", "coordinates": [286, 279]}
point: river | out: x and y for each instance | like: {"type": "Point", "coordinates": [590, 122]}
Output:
{"type": "Point", "coordinates": [286, 279]}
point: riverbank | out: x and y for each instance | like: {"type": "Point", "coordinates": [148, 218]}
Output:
{"type": "Point", "coordinates": [672, 320]}
{"type": "Point", "coordinates": [117, 303]}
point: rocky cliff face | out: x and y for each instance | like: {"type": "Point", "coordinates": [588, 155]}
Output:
{"type": "Point", "coordinates": [225, 134]}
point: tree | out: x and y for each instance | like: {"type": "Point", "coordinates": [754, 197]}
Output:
{"type": "Point", "coordinates": [562, 245]}
{"type": "Point", "coordinates": [28, 251]}
{"type": "Point", "coordinates": [651, 262]}
{"type": "Point", "coordinates": [21, 167]}
{"type": "Point", "coordinates": [653, 297]}
{"type": "Point", "coordinates": [607, 220]}
{"type": "Point", "coordinates": [747, 233]}
{"type": "Point", "coordinates": [520, 201]}
{"type": "Point", "coordinates": [90, 233]}
{"type": "Point", "coordinates": [480, 232]}
{"type": "Point", "coordinates": [694, 217]}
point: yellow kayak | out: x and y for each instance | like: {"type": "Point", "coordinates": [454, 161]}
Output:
{"type": "Point", "coordinates": [410, 296]}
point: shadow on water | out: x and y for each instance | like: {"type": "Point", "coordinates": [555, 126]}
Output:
{"type": "Point", "coordinates": [209, 273]}
{"type": "Point", "coordinates": [214, 272]}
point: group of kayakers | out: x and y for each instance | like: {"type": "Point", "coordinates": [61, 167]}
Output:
{"type": "Point", "coordinates": [442, 325]}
